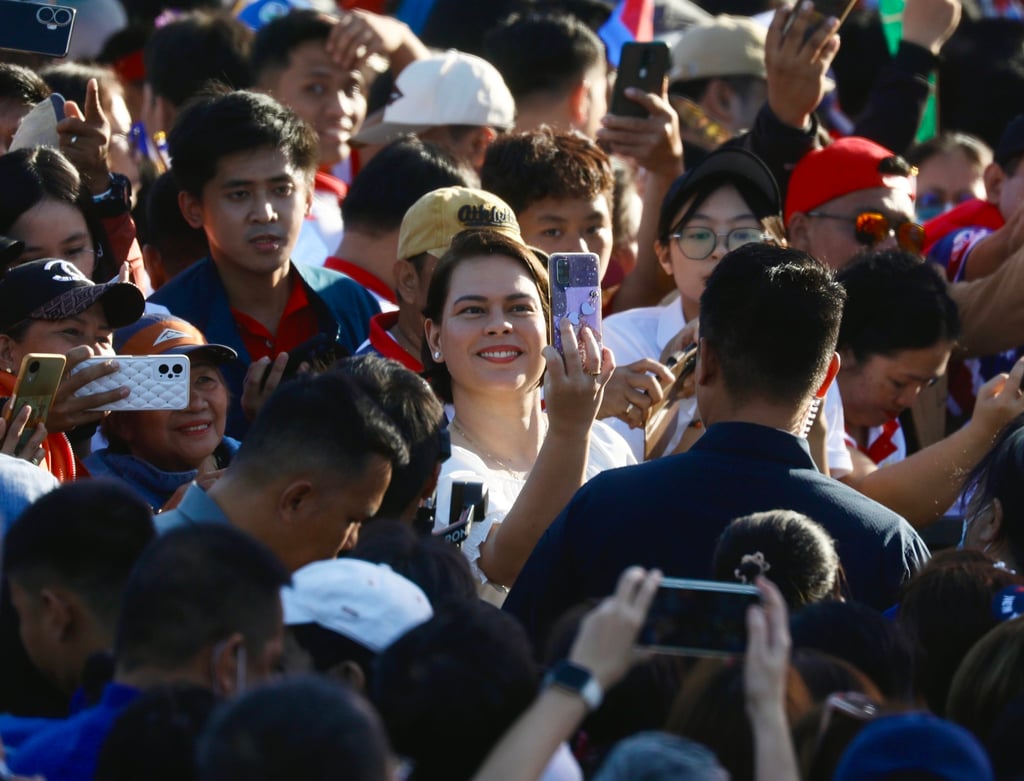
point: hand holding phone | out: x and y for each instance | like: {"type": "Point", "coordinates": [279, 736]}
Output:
{"type": "Point", "coordinates": [642, 66]}
{"type": "Point", "coordinates": [575, 280]}
{"type": "Point", "coordinates": [699, 618]}
{"type": "Point", "coordinates": [154, 382]}
{"type": "Point", "coordinates": [34, 392]}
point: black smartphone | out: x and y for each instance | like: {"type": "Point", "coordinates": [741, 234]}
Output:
{"type": "Point", "coordinates": [641, 65]}
{"type": "Point", "coordinates": [468, 502]}
{"type": "Point", "coordinates": [321, 353]}
{"type": "Point", "coordinates": [35, 27]}
{"type": "Point", "coordinates": [699, 618]}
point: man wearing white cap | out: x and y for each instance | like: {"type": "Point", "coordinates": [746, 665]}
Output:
{"type": "Point", "coordinates": [455, 100]}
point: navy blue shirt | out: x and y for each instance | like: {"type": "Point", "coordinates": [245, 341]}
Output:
{"type": "Point", "coordinates": [68, 750]}
{"type": "Point", "coordinates": [669, 513]}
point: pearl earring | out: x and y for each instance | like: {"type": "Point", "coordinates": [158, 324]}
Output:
{"type": "Point", "coordinates": [437, 355]}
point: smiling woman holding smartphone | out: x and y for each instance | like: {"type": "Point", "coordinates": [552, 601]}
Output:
{"type": "Point", "coordinates": [487, 337]}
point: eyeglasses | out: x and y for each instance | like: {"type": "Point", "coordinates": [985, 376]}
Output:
{"type": "Point", "coordinates": [874, 227]}
{"type": "Point", "coordinates": [699, 243]}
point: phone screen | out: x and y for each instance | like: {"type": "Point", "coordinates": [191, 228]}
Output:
{"type": "Point", "coordinates": [699, 618]}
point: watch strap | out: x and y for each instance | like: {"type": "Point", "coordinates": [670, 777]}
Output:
{"type": "Point", "coordinates": [577, 680]}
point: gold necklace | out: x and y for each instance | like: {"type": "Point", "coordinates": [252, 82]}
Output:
{"type": "Point", "coordinates": [481, 451]}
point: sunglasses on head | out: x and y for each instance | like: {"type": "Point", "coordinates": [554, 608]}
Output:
{"type": "Point", "coordinates": [874, 227]}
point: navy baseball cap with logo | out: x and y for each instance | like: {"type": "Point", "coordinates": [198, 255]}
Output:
{"type": "Point", "coordinates": [52, 289]}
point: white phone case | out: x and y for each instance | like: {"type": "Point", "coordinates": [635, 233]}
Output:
{"type": "Point", "coordinates": [157, 382]}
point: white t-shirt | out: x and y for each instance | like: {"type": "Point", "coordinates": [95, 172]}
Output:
{"type": "Point", "coordinates": [607, 451]}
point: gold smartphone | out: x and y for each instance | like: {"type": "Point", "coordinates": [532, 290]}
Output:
{"type": "Point", "coordinates": [37, 384]}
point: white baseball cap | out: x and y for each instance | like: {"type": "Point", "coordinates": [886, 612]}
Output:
{"type": "Point", "coordinates": [369, 604]}
{"type": "Point", "coordinates": [453, 88]}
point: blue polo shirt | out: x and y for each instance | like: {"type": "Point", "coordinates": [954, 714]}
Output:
{"type": "Point", "coordinates": [195, 506]}
{"type": "Point", "coordinates": [68, 750]}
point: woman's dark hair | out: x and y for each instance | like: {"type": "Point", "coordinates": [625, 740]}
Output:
{"type": "Point", "coordinates": [895, 301]}
{"type": "Point", "coordinates": [711, 709]}
{"type": "Point", "coordinates": [33, 174]}
{"type": "Point", "coordinates": [945, 609]}
{"type": "Point", "coordinates": [787, 547]}
{"type": "Point", "coordinates": [874, 644]}
{"type": "Point", "coordinates": [1000, 476]}
{"type": "Point", "coordinates": [466, 246]}
{"type": "Point", "coordinates": [977, 152]}
{"type": "Point", "coordinates": [437, 567]}
{"type": "Point", "coordinates": [449, 688]}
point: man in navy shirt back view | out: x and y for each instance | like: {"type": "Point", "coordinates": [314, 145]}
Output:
{"type": "Point", "coordinates": [769, 322]}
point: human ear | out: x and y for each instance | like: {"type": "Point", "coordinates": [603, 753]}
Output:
{"type": "Point", "coordinates": [994, 177]}
{"type": "Point", "coordinates": [433, 333]}
{"type": "Point", "coordinates": [56, 613]}
{"type": "Point", "coordinates": [350, 674]}
{"type": "Point", "coordinates": [227, 663]}
{"type": "Point", "coordinates": [191, 209]}
{"type": "Point", "coordinates": [992, 525]}
{"type": "Point", "coordinates": [407, 281]}
{"type": "Point", "coordinates": [579, 103]}
{"type": "Point", "coordinates": [292, 499]}
{"type": "Point", "coordinates": [707, 363]}
{"type": "Point", "coordinates": [663, 251]}
{"type": "Point", "coordinates": [718, 101]}
{"type": "Point", "coordinates": [10, 355]}
{"type": "Point", "coordinates": [798, 231]}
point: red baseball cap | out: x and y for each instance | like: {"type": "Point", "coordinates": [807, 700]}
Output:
{"type": "Point", "coordinates": [843, 167]}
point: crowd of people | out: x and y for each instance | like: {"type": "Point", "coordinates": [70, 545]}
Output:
{"type": "Point", "coordinates": [412, 520]}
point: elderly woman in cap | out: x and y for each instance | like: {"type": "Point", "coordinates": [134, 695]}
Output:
{"type": "Point", "coordinates": [49, 306]}
{"type": "Point", "coordinates": [158, 451]}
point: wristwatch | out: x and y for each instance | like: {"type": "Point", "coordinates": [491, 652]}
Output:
{"type": "Point", "coordinates": [116, 199]}
{"type": "Point", "coordinates": [576, 680]}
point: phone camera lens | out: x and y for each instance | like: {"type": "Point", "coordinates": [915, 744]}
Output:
{"type": "Point", "coordinates": [177, 368]}
{"type": "Point", "coordinates": [163, 368]}
{"type": "Point", "coordinates": [33, 367]}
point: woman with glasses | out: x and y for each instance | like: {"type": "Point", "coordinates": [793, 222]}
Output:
{"type": "Point", "coordinates": [729, 200]}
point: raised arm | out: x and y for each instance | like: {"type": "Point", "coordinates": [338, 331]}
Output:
{"type": "Point", "coordinates": [922, 486]}
{"type": "Point", "coordinates": [604, 648]}
{"type": "Point", "coordinates": [572, 391]}
{"type": "Point", "coordinates": [655, 144]}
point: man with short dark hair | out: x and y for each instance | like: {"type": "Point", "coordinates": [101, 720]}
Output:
{"type": "Point", "coordinates": [202, 606]}
{"type": "Point", "coordinates": [556, 69]}
{"type": "Point", "coordinates": [313, 467]}
{"type": "Point", "coordinates": [184, 55]}
{"type": "Point", "coordinates": [769, 323]}
{"type": "Point", "coordinates": [245, 165]}
{"type": "Point", "coordinates": [374, 208]}
{"type": "Point", "coordinates": [67, 559]}
{"type": "Point", "coordinates": [561, 188]}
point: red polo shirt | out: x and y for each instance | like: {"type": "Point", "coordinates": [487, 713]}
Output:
{"type": "Point", "coordinates": [298, 324]}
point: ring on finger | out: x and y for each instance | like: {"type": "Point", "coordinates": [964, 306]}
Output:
{"type": "Point", "coordinates": [74, 140]}
{"type": "Point", "coordinates": [630, 407]}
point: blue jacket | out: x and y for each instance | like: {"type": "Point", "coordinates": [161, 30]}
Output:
{"type": "Point", "coordinates": [343, 308]}
{"type": "Point", "coordinates": [669, 513]}
{"type": "Point", "coordinates": [68, 750]}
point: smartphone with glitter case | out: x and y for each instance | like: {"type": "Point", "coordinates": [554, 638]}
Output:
{"type": "Point", "coordinates": [575, 279]}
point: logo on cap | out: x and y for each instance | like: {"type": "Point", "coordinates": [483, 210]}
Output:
{"type": "Point", "coordinates": [67, 272]}
{"type": "Point", "coordinates": [483, 216]}
{"type": "Point", "coordinates": [168, 334]}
